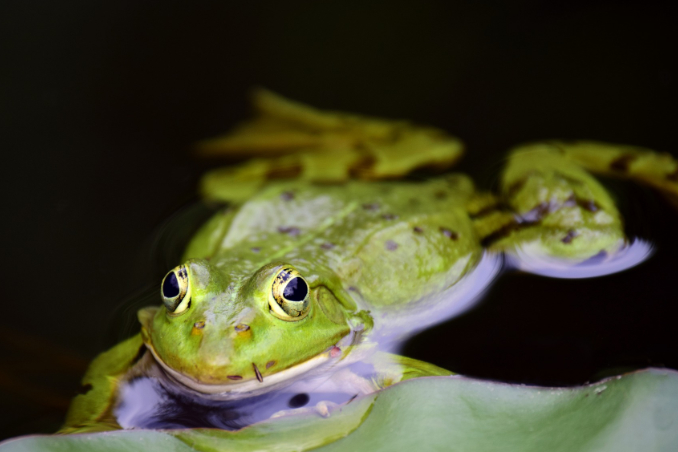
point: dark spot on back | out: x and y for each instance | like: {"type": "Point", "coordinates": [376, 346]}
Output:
{"type": "Point", "coordinates": [255, 249]}
{"type": "Point", "coordinates": [287, 196]}
{"type": "Point", "coordinates": [450, 234]}
{"type": "Point", "coordinates": [440, 194]}
{"type": "Point", "coordinates": [570, 235]}
{"type": "Point", "coordinates": [298, 400]}
{"type": "Point", "coordinates": [289, 230]}
{"type": "Point", "coordinates": [571, 201]}
{"type": "Point", "coordinates": [389, 216]}
{"type": "Point", "coordinates": [269, 364]}
{"type": "Point", "coordinates": [418, 230]}
{"type": "Point", "coordinates": [516, 186]}
{"type": "Point", "coordinates": [391, 245]}
{"type": "Point", "coordinates": [588, 204]}
{"type": "Point", "coordinates": [371, 206]}
{"type": "Point", "coordinates": [327, 246]}
{"type": "Point", "coordinates": [535, 214]}
{"type": "Point", "coordinates": [622, 163]}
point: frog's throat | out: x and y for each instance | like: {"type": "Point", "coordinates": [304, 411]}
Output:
{"type": "Point", "coordinates": [247, 388]}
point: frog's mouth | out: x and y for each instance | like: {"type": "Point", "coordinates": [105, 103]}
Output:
{"type": "Point", "coordinates": [251, 387]}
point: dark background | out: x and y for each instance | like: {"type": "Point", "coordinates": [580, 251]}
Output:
{"type": "Point", "coordinates": [100, 102]}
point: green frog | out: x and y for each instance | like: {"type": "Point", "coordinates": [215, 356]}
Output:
{"type": "Point", "coordinates": [325, 256]}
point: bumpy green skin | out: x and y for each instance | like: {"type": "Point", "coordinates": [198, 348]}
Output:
{"type": "Point", "coordinates": [90, 412]}
{"type": "Point", "coordinates": [374, 247]}
{"type": "Point", "coordinates": [566, 212]}
{"type": "Point", "coordinates": [386, 248]}
{"type": "Point", "coordinates": [375, 254]}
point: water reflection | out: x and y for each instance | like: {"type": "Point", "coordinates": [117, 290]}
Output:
{"type": "Point", "coordinates": [153, 400]}
{"type": "Point", "coordinates": [531, 259]}
{"type": "Point", "coordinates": [464, 295]}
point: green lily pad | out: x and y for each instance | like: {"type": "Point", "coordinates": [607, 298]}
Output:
{"type": "Point", "coordinates": [637, 411]}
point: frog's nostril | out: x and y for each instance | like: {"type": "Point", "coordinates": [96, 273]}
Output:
{"type": "Point", "coordinates": [241, 327]}
{"type": "Point", "coordinates": [197, 328]}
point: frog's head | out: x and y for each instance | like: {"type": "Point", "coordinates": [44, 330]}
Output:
{"type": "Point", "coordinates": [224, 333]}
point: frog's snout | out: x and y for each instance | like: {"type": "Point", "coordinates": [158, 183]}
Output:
{"type": "Point", "coordinates": [219, 346]}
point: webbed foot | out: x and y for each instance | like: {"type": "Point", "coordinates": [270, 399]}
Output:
{"type": "Point", "coordinates": [563, 222]}
{"type": "Point", "coordinates": [322, 408]}
{"type": "Point", "coordinates": [293, 140]}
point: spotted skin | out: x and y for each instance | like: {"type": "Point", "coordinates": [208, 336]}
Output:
{"type": "Point", "coordinates": [372, 250]}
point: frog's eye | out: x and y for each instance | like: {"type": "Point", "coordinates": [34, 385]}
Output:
{"type": "Point", "coordinates": [289, 292]}
{"type": "Point", "coordinates": [175, 290]}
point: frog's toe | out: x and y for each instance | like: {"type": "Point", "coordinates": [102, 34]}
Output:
{"type": "Point", "coordinates": [323, 408]}
{"type": "Point", "coordinates": [533, 259]}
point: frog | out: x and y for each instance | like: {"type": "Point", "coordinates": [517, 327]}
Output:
{"type": "Point", "coordinates": [329, 248]}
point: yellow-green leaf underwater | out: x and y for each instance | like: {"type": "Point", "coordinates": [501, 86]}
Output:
{"type": "Point", "coordinates": [634, 412]}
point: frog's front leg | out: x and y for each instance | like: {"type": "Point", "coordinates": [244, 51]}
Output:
{"type": "Point", "coordinates": [563, 216]}
{"type": "Point", "coordinates": [391, 369]}
{"type": "Point", "coordinates": [380, 370]}
{"type": "Point", "coordinates": [92, 411]}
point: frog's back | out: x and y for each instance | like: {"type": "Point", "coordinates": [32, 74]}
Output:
{"type": "Point", "coordinates": [387, 243]}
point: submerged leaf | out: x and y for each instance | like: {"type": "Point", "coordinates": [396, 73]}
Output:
{"type": "Point", "coordinates": [637, 411]}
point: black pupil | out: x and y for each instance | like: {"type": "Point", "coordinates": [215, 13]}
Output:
{"type": "Point", "coordinates": [170, 288]}
{"type": "Point", "coordinates": [296, 289]}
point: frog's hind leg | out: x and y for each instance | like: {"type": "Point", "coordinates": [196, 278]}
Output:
{"type": "Point", "coordinates": [655, 169]}
{"type": "Point", "coordinates": [293, 140]}
{"type": "Point", "coordinates": [565, 224]}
